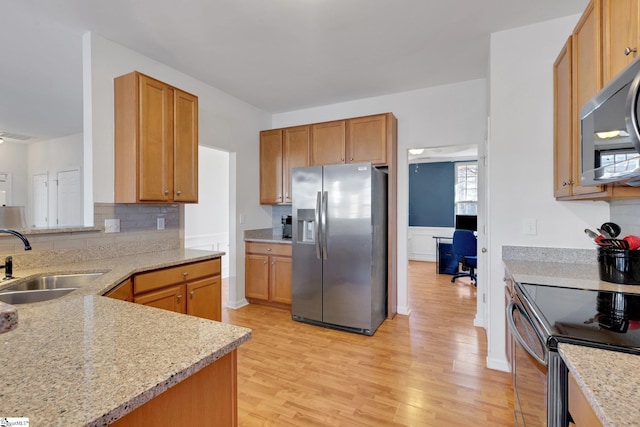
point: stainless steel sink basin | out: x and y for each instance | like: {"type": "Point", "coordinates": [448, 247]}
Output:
{"type": "Point", "coordinates": [45, 288]}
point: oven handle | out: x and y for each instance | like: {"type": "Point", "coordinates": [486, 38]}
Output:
{"type": "Point", "coordinates": [512, 327]}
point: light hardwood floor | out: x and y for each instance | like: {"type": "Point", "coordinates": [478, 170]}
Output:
{"type": "Point", "coordinates": [426, 369]}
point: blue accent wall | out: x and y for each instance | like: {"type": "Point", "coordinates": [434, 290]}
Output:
{"type": "Point", "coordinates": [432, 194]}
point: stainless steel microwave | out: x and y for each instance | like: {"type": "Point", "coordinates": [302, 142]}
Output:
{"type": "Point", "coordinates": [610, 133]}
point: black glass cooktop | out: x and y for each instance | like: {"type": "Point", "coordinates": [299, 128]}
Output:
{"type": "Point", "coordinates": [588, 317]}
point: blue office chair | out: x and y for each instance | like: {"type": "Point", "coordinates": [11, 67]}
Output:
{"type": "Point", "coordinates": [465, 250]}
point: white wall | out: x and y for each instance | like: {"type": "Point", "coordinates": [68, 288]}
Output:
{"type": "Point", "coordinates": [206, 223]}
{"type": "Point", "coordinates": [444, 115]}
{"type": "Point", "coordinates": [421, 243]}
{"type": "Point", "coordinates": [225, 123]}
{"type": "Point", "coordinates": [520, 170]}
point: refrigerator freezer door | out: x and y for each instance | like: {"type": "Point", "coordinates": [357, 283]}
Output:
{"type": "Point", "coordinates": [348, 236]}
{"type": "Point", "coordinates": [306, 285]}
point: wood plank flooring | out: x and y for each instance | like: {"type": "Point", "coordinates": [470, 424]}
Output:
{"type": "Point", "coordinates": [426, 369]}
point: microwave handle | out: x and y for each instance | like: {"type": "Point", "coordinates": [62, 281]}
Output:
{"type": "Point", "coordinates": [631, 119]}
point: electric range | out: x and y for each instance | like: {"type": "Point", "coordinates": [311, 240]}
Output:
{"type": "Point", "coordinates": [595, 318]}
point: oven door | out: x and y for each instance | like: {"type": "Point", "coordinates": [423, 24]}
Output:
{"type": "Point", "coordinates": [529, 369]}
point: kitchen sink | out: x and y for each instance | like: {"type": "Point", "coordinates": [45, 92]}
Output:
{"type": "Point", "coordinates": [45, 288]}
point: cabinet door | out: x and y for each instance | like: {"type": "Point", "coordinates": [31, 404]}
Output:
{"type": "Point", "coordinates": [620, 28]}
{"type": "Point", "coordinates": [587, 81]}
{"type": "Point", "coordinates": [204, 299]}
{"type": "Point", "coordinates": [257, 276]}
{"type": "Point", "coordinates": [123, 292]}
{"type": "Point", "coordinates": [271, 167]}
{"type": "Point", "coordinates": [185, 149]}
{"type": "Point", "coordinates": [155, 151]}
{"type": "Point", "coordinates": [296, 154]}
{"type": "Point", "coordinates": [562, 128]}
{"type": "Point", "coordinates": [328, 143]}
{"type": "Point", "coordinates": [367, 140]}
{"type": "Point", "coordinates": [172, 299]}
{"type": "Point", "coordinates": [280, 279]}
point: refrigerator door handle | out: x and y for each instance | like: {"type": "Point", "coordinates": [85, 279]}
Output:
{"type": "Point", "coordinates": [325, 197]}
{"type": "Point", "coordinates": [317, 231]}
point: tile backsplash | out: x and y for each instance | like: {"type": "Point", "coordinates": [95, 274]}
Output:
{"type": "Point", "coordinates": [626, 213]}
{"type": "Point", "coordinates": [138, 234]}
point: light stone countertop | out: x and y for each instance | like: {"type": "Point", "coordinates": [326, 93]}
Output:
{"type": "Point", "coordinates": [265, 235]}
{"type": "Point", "coordinates": [609, 381]}
{"type": "Point", "coordinates": [87, 360]}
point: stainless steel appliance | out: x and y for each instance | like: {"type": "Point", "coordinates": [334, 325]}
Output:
{"type": "Point", "coordinates": [540, 317]}
{"type": "Point", "coordinates": [340, 246]}
{"type": "Point", "coordinates": [287, 233]}
{"type": "Point", "coordinates": [610, 132]}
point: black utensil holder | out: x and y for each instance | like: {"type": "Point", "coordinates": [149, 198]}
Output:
{"type": "Point", "coordinates": [619, 265]}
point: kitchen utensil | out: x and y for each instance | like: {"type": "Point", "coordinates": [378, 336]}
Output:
{"type": "Point", "coordinates": [591, 233]}
{"type": "Point", "coordinates": [604, 233]}
{"type": "Point", "coordinates": [616, 243]}
{"type": "Point", "coordinates": [612, 228]}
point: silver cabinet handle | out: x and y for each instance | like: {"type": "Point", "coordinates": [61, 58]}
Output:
{"type": "Point", "coordinates": [630, 50]}
{"type": "Point", "coordinates": [178, 192]}
{"type": "Point", "coordinates": [179, 298]}
{"type": "Point", "coordinates": [268, 249]}
{"type": "Point", "coordinates": [166, 192]}
{"type": "Point", "coordinates": [317, 224]}
{"type": "Point", "coordinates": [185, 274]}
{"type": "Point", "coordinates": [192, 293]}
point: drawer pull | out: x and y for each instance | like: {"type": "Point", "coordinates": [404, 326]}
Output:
{"type": "Point", "coordinates": [192, 293]}
{"type": "Point", "coordinates": [185, 274]}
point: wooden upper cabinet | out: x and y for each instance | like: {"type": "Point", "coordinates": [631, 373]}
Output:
{"type": "Point", "coordinates": [185, 149]}
{"type": "Point", "coordinates": [156, 141]}
{"type": "Point", "coordinates": [587, 81]}
{"type": "Point", "coordinates": [563, 123]}
{"type": "Point", "coordinates": [367, 139]}
{"type": "Point", "coordinates": [271, 167]}
{"type": "Point", "coordinates": [328, 143]}
{"type": "Point", "coordinates": [296, 155]}
{"type": "Point", "coordinates": [621, 36]}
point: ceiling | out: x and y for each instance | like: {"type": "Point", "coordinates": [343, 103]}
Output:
{"type": "Point", "coordinates": [278, 55]}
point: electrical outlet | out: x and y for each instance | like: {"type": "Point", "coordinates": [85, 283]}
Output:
{"type": "Point", "coordinates": [529, 226]}
{"type": "Point", "coordinates": [243, 218]}
{"type": "Point", "coordinates": [111, 225]}
{"type": "Point", "coordinates": [160, 223]}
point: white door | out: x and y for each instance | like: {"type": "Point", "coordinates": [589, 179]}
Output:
{"type": "Point", "coordinates": [40, 204]}
{"type": "Point", "coordinates": [69, 198]}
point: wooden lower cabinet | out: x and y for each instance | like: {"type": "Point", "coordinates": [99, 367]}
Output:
{"type": "Point", "coordinates": [208, 398]}
{"type": "Point", "coordinates": [581, 411]}
{"type": "Point", "coordinates": [268, 274]}
{"type": "Point", "coordinates": [193, 288]}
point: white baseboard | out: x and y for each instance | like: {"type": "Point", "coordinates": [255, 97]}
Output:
{"type": "Point", "coordinates": [498, 364]}
{"type": "Point", "coordinates": [478, 322]}
{"type": "Point", "coordinates": [403, 310]}
{"type": "Point", "coordinates": [422, 257]}
{"type": "Point", "coordinates": [236, 305]}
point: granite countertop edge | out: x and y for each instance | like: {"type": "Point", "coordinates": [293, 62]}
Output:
{"type": "Point", "coordinates": [134, 403]}
{"type": "Point", "coordinates": [265, 235]}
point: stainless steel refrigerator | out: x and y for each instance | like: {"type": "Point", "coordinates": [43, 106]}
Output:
{"type": "Point", "coordinates": [340, 246]}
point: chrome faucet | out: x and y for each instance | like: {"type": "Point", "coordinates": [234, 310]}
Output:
{"type": "Point", "coordinates": [27, 245]}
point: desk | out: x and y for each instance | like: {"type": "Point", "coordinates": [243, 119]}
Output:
{"type": "Point", "coordinates": [446, 261]}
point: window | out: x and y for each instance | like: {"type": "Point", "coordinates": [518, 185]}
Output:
{"type": "Point", "coordinates": [466, 188]}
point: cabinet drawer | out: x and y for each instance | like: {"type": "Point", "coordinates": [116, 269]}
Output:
{"type": "Point", "coordinates": [168, 276]}
{"type": "Point", "coordinates": [268, 248]}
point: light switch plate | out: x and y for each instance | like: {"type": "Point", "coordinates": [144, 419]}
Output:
{"type": "Point", "coordinates": [111, 225]}
{"type": "Point", "coordinates": [529, 226]}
